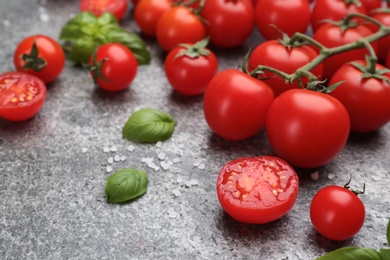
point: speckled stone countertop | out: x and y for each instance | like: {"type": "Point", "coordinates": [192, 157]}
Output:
{"type": "Point", "coordinates": [53, 169]}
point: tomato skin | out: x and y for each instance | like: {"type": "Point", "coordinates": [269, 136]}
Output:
{"type": "Point", "coordinates": [229, 23]}
{"type": "Point", "coordinates": [366, 100]}
{"type": "Point", "coordinates": [337, 213]}
{"type": "Point", "coordinates": [98, 7]}
{"type": "Point", "coordinates": [388, 60]}
{"type": "Point", "coordinates": [119, 68]}
{"type": "Point", "coordinates": [287, 59]}
{"type": "Point", "coordinates": [252, 190]}
{"type": "Point", "coordinates": [333, 10]}
{"type": "Point", "coordinates": [48, 50]}
{"type": "Point", "coordinates": [282, 14]}
{"type": "Point", "coordinates": [370, 5]}
{"type": "Point", "coordinates": [332, 36]}
{"type": "Point", "coordinates": [190, 76]}
{"type": "Point", "coordinates": [308, 129]}
{"type": "Point", "coordinates": [15, 89]}
{"type": "Point", "coordinates": [384, 42]}
{"type": "Point", "coordinates": [179, 25]}
{"type": "Point", "coordinates": [236, 105]}
{"type": "Point", "coordinates": [148, 12]}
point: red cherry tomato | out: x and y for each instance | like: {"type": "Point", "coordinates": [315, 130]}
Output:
{"type": "Point", "coordinates": [229, 23]}
{"type": "Point", "coordinates": [333, 10]}
{"type": "Point", "coordinates": [98, 7]}
{"type": "Point", "coordinates": [306, 128]}
{"type": "Point", "coordinates": [41, 56]}
{"type": "Point", "coordinates": [189, 69]}
{"type": "Point", "coordinates": [236, 105]}
{"type": "Point", "coordinates": [331, 36]}
{"type": "Point", "coordinates": [382, 16]}
{"type": "Point", "coordinates": [21, 96]}
{"type": "Point", "coordinates": [367, 100]}
{"type": "Point", "coordinates": [285, 58]}
{"type": "Point", "coordinates": [179, 25]}
{"type": "Point", "coordinates": [257, 190]}
{"type": "Point", "coordinates": [337, 213]}
{"type": "Point", "coordinates": [371, 5]}
{"type": "Point", "coordinates": [388, 60]}
{"type": "Point", "coordinates": [283, 15]}
{"type": "Point", "coordinates": [114, 67]}
{"type": "Point", "coordinates": [148, 12]}
{"type": "Point", "coordinates": [135, 2]}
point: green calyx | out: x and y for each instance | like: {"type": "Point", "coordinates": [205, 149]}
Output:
{"type": "Point", "coordinates": [96, 67]}
{"type": "Point", "coordinates": [370, 71]}
{"type": "Point", "coordinates": [32, 60]}
{"type": "Point", "coordinates": [195, 50]}
{"type": "Point", "coordinates": [358, 3]}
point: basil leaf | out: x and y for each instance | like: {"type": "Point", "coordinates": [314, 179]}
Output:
{"type": "Point", "coordinates": [84, 32]}
{"type": "Point", "coordinates": [388, 233]}
{"type": "Point", "coordinates": [126, 184]}
{"type": "Point", "coordinates": [352, 253]}
{"type": "Point", "coordinates": [148, 125]}
{"type": "Point", "coordinates": [385, 253]}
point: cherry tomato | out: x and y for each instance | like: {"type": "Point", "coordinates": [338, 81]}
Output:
{"type": "Point", "coordinates": [371, 5]}
{"type": "Point", "coordinates": [331, 36]}
{"type": "Point", "coordinates": [229, 23]}
{"type": "Point", "coordinates": [113, 67]}
{"type": "Point", "coordinates": [21, 95]}
{"type": "Point", "coordinates": [333, 10]}
{"type": "Point", "coordinates": [388, 60]}
{"type": "Point", "coordinates": [98, 7]}
{"type": "Point", "coordinates": [148, 12]}
{"type": "Point", "coordinates": [190, 68]}
{"type": "Point", "coordinates": [135, 2]}
{"type": "Point", "coordinates": [337, 213]}
{"type": "Point", "coordinates": [382, 16]}
{"type": "Point", "coordinates": [306, 128]}
{"type": "Point", "coordinates": [236, 105]}
{"type": "Point", "coordinates": [179, 25]}
{"type": "Point", "coordinates": [283, 15]}
{"type": "Point", "coordinates": [257, 190]}
{"type": "Point", "coordinates": [367, 100]}
{"type": "Point", "coordinates": [288, 59]}
{"type": "Point", "coordinates": [41, 56]}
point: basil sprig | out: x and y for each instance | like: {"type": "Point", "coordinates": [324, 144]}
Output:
{"type": "Point", "coordinates": [148, 125]}
{"type": "Point", "coordinates": [126, 184]}
{"type": "Point", "coordinates": [83, 33]}
{"type": "Point", "coordinates": [360, 253]}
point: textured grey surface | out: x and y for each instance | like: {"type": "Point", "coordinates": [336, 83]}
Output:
{"type": "Point", "coordinates": [53, 170]}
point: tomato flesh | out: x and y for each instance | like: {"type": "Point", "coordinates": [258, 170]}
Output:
{"type": "Point", "coordinates": [257, 190]}
{"type": "Point", "coordinates": [21, 96]}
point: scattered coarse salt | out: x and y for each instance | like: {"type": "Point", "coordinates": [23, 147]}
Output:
{"type": "Point", "coordinates": [176, 160]}
{"type": "Point", "coordinates": [110, 160]}
{"type": "Point", "coordinates": [202, 166]}
{"type": "Point", "coordinates": [331, 176]}
{"type": "Point", "coordinates": [130, 148]}
{"type": "Point", "coordinates": [191, 183]}
{"type": "Point", "coordinates": [44, 17]}
{"type": "Point", "coordinates": [113, 148]}
{"type": "Point", "coordinates": [315, 175]}
{"type": "Point", "coordinates": [376, 178]}
{"type": "Point", "coordinates": [172, 213]}
{"type": "Point", "coordinates": [109, 168]}
{"type": "Point", "coordinates": [158, 144]}
{"type": "Point", "coordinates": [6, 23]}
{"type": "Point", "coordinates": [179, 180]}
{"type": "Point", "coordinates": [123, 158]}
{"type": "Point", "coordinates": [84, 150]}
{"type": "Point", "coordinates": [106, 149]}
{"type": "Point", "coordinates": [161, 156]}
{"type": "Point", "coordinates": [197, 163]}
{"type": "Point", "coordinates": [117, 158]}
{"type": "Point", "coordinates": [176, 192]}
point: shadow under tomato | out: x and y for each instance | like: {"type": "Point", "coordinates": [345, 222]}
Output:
{"type": "Point", "coordinates": [184, 100]}
{"type": "Point", "coordinates": [326, 244]}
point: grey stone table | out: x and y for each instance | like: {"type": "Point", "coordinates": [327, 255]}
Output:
{"type": "Point", "coordinates": [53, 169]}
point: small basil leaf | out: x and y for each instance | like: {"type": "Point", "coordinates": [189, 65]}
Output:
{"type": "Point", "coordinates": [73, 29]}
{"type": "Point", "coordinates": [132, 41]}
{"type": "Point", "coordinates": [352, 253]}
{"type": "Point", "coordinates": [385, 253]}
{"type": "Point", "coordinates": [126, 184]}
{"type": "Point", "coordinates": [82, 50]}
{"type": "Point", "coordinates": [148, 125]}
{"type": "Point", "coordinates": [107, 18]}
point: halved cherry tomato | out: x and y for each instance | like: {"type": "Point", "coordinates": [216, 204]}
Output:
{"type": "Point", "coordinates": [21, 96]}
{"type": "Point", "coordinates": [41, 56]}
{"type": "Point", "coordinates": [98, 7]}
{"type": "Point", "coordinates": [113, 67]}
{"type": "Point", "coordinates": [257, 190]}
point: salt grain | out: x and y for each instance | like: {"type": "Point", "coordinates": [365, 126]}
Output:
{"type": "Point", "coordinates": [84, 150]}
{"type": "Point", "coordinates": [130, 148]}
{"type": "Point", "coordinates": [176, 192]}
{"type": "Point", "coordinates": [179, 179]}
{"type": "Point", "coordinates": [376, 178]}
{"type": "Point", "coordinates": [109, 168]}
{"type": "Point", "coordinates": [176, 160]}
{"type": "Point", "coordinates": [191, 183]}
{"type": "Point", "coordinates": [161, 156]}
{"type": "Point", "coordinates": [110, 160]}
{"type": "Point", "coordinates": [331, 176]}
{"type": "Point", "coordinates": [158, 144]}
{"type": "Point", "coordinates": [106, 149]}
{"type": "Point", "coordinates": [117, 158]}
{"type": "Point", "coordinates": [123, 158]}
{"type": "Point", "coordinates": [44, 17]}
{"type": "Point", "coordinates": [113, 148]}
{"type": "Point", "coordinates": [6, 23]}
{"type": "Point", "coordinates": [202, 166]}
{"type": "Point", "coordinates": [197, 163]}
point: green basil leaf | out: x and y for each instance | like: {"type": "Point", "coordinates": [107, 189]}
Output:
{"type": "Point", "coordinates": [388, 233]}
{"type": "Point", "coordinates": [385, 253]}
{"type": "Point", "coordinates": [148, 125]}
{"type": "Point", "coordinates": [126, 184]}
{"type": "Point", "coordinates": [132, 41]}
{"type": "Point", "coordinates": [352, 253]}
{"type": "Point", "coordinates": [85, 30]}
